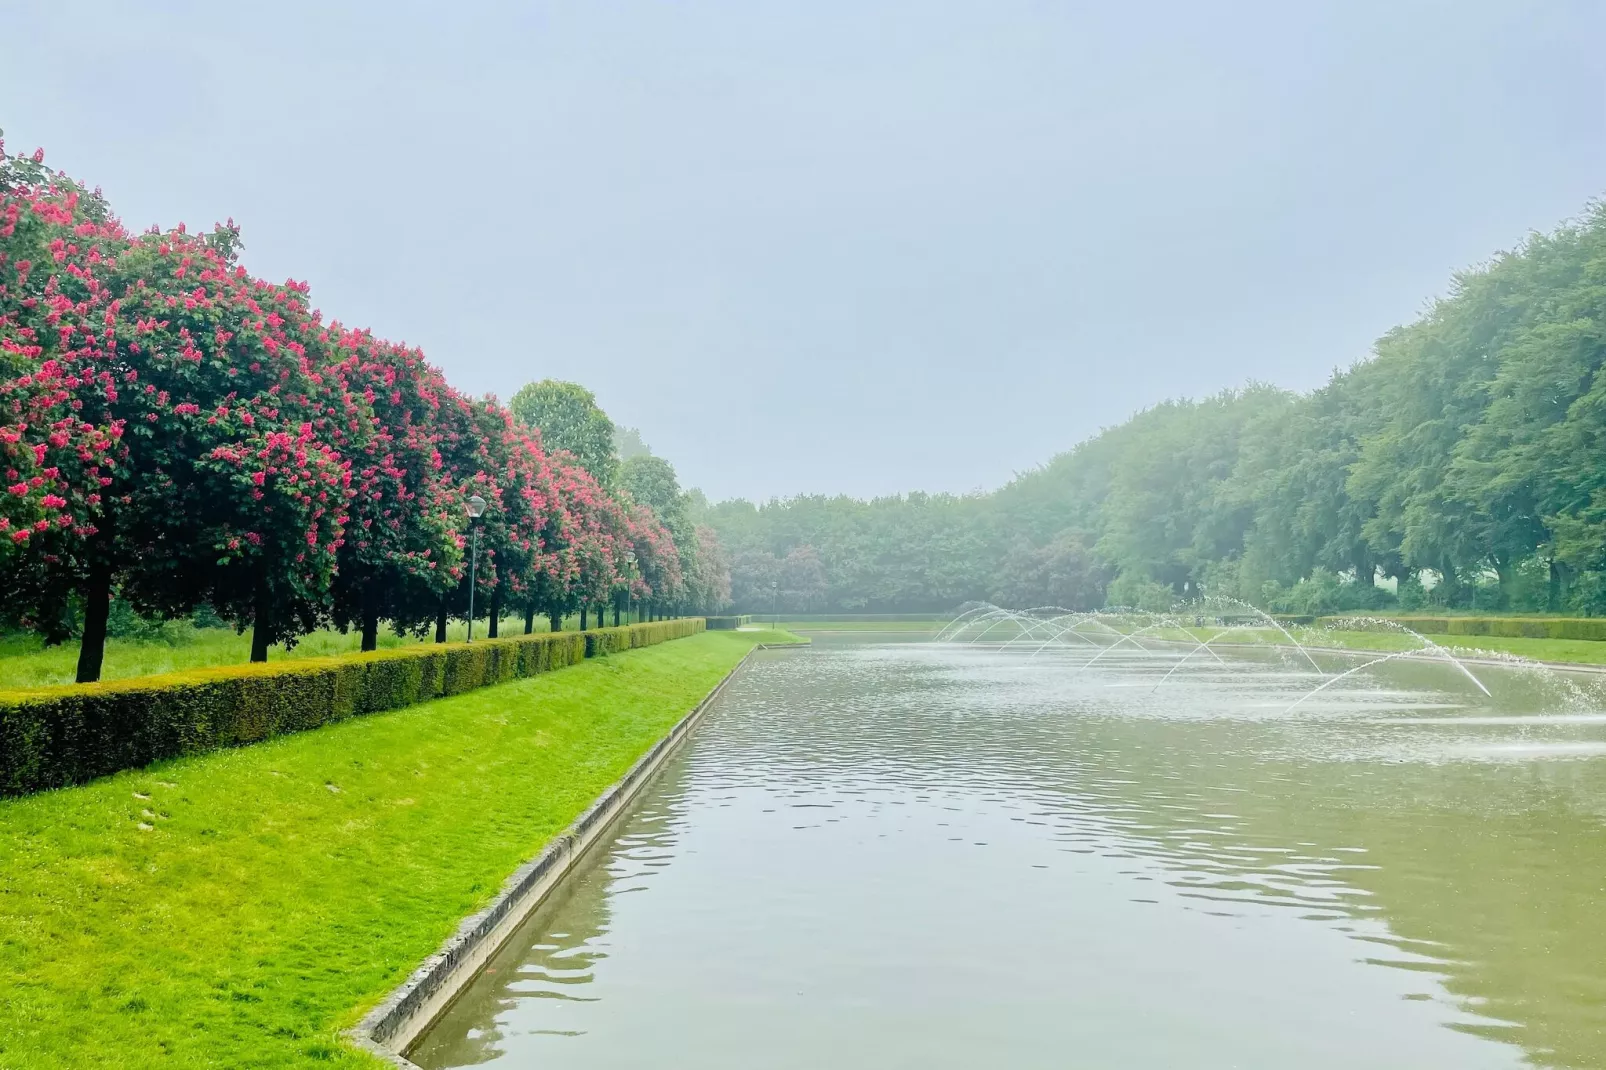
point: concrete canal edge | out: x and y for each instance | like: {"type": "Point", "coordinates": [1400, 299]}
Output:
{"type": "Point", "coordinates": [391, 1028]}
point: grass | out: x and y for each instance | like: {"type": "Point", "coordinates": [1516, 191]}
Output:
{"type": "Point", "coordinates": [1554, 651]}
{"type": "Point", "coordinates": [1561, 651]}
{"type": "Point", "coordinates": [26, 663]}
{"type": "Point", "coordinates": [239, 909]}
{"type": "Point", "coordinates": [933, 625]}
{"type": "Point", "coordinates": [1558, 651]}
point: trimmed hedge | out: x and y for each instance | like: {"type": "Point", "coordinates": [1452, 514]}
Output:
{"type": "Point", "coordinates": [1592, 628]}
{"type": "Point", "coordinates": [53, 737]}
{"type": "Point", "coordinates": [726, 624]}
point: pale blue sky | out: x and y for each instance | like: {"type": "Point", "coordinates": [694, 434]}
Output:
{"type": "Point", "coordinates": [825, 246]}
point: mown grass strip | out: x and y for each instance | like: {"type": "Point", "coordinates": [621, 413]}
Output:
{"type": "Point", "coordinates": [240, 908]}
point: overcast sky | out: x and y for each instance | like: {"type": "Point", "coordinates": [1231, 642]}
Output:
{"type": "Point", "coordinates": [859, 247]}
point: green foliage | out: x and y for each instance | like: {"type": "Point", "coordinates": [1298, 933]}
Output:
{"type": "Point", "coordinates": [125, 622]}
{"type": "Point", "coordinates": [652, 482]}
{"type": "Point", "coordinates": [1136, 592]}
{"type": "Point", "coordinates": [1471, 449]}
{"type": "Point", "coordinates": [570, 419]}
{"type": "Point", "coordinates": [56, 736]}
{"type": "Point", "coordinates": [1324, 591]}
{"type": "Point", "coordinates": [627, 443]}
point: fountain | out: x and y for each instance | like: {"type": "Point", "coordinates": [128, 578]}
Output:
{"type": "Point", "coordinates": [1216, 626]}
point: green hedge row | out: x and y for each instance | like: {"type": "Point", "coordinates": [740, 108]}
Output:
{"type": "Point", "coordinates": [52, 737]}
{"type": "Point", "coordinates": [726, 624]}
{"type": "Point", "coordinates": [1593, 628]}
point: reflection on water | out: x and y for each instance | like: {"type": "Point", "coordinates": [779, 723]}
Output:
{"type": "Point", "coordinates": [878, 855]}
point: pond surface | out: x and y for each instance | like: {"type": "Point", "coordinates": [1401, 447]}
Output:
{"type": "Point", "coordinates": [881, 854]}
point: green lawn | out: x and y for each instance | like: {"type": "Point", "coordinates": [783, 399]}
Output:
{"type": "Point", "coordinates": [1571, 651]}
{"type": "Point", "coordinates": [25, 662]}
{"type": "Point", "coordinates": [1568, 651]}
{"type": "Point", "coordinates": [239, 909]}
{"type": "Point", "coordinates": [1558, 651]}
{"type": "Point", "coordinates": [932, 626]}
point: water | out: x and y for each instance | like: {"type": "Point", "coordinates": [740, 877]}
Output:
{"type": "Point", "coordinates": [925, 855]}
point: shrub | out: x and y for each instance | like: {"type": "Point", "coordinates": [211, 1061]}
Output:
{"type": "Point", "coordinates": [1325, 591]}
{"type": "Point", "coordinates": [725, 624]}
{"type": "Point", "coordinates": [53, 737]}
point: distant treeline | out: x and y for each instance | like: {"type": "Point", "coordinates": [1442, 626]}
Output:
{"type": "Point", "coordinates": [1462, 466]}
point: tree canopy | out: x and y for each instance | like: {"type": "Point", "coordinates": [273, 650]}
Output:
{"type": "Point", "coordinates": [184, 435]}
{"type": "Point", "coordinates": [569, 419]}
{"type": "Point", "coordinates": [1463, 464]}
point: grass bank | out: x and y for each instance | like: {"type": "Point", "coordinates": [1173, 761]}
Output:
{"type": "Point", "coordinates": [1559, 651]}
{"type": "Point", "coordinates": [26, 662]}
{"type": "Point", "coordinates": [1555, 651]}
{"type": "Point", "coordinates": [239, 909]}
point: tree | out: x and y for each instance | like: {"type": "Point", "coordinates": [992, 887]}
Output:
{"type": "Point", "coordinates": [1065, 573]}
{"type": "Point", "coordinates": [627, 443]}
{"type": "Point", "coordinates": [802, 580]}
{"type": "Point", "coordinates": [652, 482]}
{"type": "Point", "coordinates": [569, 419]}
{"type": "Point", "coordinates": [225, 483]}
{"type": "Point", "coordinates": [403, 548]}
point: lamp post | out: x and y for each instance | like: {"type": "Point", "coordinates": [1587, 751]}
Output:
{"type": "Point", "coordinates": [476, 509]}
{"type": "Point", "coordinates": [775, 613]}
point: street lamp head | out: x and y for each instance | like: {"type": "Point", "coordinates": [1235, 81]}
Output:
{"type": "Point", "coordinates": [476, 507]}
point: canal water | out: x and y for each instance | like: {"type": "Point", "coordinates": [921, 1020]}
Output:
{"type": "Point", "coordinates": [922, 855]}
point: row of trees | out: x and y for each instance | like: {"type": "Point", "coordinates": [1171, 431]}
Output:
{"type": "Point", "coordinates": [1463, 465]}
{"type": "Point", "coordinates": [183, 435]}
{"type": "Point", "coordinates": [570, 419]}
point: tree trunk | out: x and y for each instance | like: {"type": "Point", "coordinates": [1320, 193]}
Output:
{"type": "Point", "coordinates": [97, 608]}
{"type": "Point", "coordinates": [616, 614]}
{"type": "Point", "coordinates": [496, 612]}
{"type": "Point", "coordinates": [582, 618]}
{"type": "Point", "coordinates": [370, 617]}
{"type": "Point", "coordinates": [1507, 576]}
{"type": "Point", "coordinates": [555, 621]}
{"type": "Point", "coordinates": [1553, 588]}
{"type": "Point", "coordinates": [1449, 588]}
{"type": "Point", "coordinates": [529, 618]}
{"type": "Point", "coordinates": [260, 623]}
{"type": "Point", "coordinates": [440, 622]}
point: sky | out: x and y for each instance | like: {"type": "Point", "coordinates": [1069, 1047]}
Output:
{"type": "Point", "coordinates": [840, 247]}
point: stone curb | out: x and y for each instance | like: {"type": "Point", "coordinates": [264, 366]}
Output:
{"type": "Point", "coordinates": [391, 1028]}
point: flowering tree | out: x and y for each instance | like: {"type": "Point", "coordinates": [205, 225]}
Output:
{"type": "Point", "coordinates": [570, 420]}
{"type": "Point", "coordinates": [181, 433]}
{"type": "Point", "coordinates": [56, 242]}
{"type": "Point", "coordinates": [657, 582]}
{"type": "Point", "coordinates": [709, 591]}
{"type": "Point", "coordinates": [192, 401]}
{"type": "Point", "coordinates": [238, 425]}
{"type": "Point", "coordinates": [403, 547]}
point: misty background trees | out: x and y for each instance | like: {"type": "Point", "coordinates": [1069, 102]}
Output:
{"type": "Point", "coordinates": [1463, 465]}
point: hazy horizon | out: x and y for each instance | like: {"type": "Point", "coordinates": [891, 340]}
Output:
{"type": "Point", "coordinates": [830, 249]}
